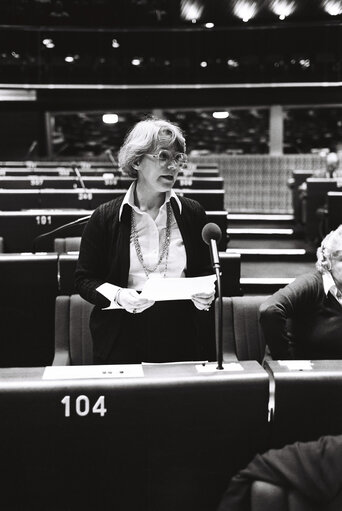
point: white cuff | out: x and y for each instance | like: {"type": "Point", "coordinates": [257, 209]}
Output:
{"type": "Point", "coordinates": [109, 291]}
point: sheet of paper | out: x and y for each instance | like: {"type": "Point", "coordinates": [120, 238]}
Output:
{"type": "Point", "coordinates": [296, 365]}
{"type": "Point", "coordinates": [160, 289]}
{"type": "Point", "coordinates": [94, 371]}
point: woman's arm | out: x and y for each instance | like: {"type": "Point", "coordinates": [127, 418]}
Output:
{"type": "Point", "coordinates": [91, 266]}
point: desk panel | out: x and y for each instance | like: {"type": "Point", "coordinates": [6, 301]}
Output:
{"type": "Point", "coordinates": [20, 228]}
{"type": "Point", "coordinates": [317, 189]}
{"type": "Point", "coordinates": [27, 309]}
{"type": "Point", "coordinates": [308, 400]}
{"type": "Point", "coordinates": [168, 440]}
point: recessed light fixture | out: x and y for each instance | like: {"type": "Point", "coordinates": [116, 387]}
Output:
{"type": "Point", "coordinates": [221, 115]}
{"type": "Point", "coordinates": [110, 118]}
{"type": "Point", "coordinates": [136, 62]}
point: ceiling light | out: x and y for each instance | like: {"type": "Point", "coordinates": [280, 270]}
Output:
{"type": "Point", "coordinates": [221, 115]}
{"type": "Point", "coordinates": [69, 58]}
{"type": "Point", "coordinates": [191, 10]}
{"type": "Point", "coordinates": [245, 9]}
{"type": "Point", "coordinates": [305, 62]}
{"type": "Point", "coordinates": [47, 41]}
{"type": "Point", "coordinates": [333, 7]}
{"type": "Point", "coordinates": [209, 25]}
{"type": "Point", "coordinates": [136, 62]}
{"type": "Point", "coordinates": [232, 63]}
{"type": "Point", "coordinates": [110, 118]}
{"type": "Point", "coordinates": [204, 63]}
{"type": "Point", "coordinates": [283, 8]}
{"type": "Point", "coordinates": [115, 43]}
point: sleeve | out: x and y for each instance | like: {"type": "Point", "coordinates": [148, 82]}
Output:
{"type": "Point", "coordinates": [91, 266]}
{"type": "Point", "coordinates": [314, 469]}
{"type": "Point", "coordinates": [283, 305]}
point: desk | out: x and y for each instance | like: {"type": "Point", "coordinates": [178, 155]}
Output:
{"type": "Point", "coordinates": [334, 210]}
{"type": "Point", "coordinates": [12, 200]}
{"type": "Point", "coordinates": [308, 402]}
{"type": "Point", "coordinates": [20, 228]}
{"type": "Point", "coordinates": [107, 182]}
{"type": "Point", "coordinates": [169, 439]}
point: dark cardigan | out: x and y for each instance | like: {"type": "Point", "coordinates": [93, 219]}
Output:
{"type": "Point", "coordinates": [105, 257]}
{"type": "Point", "coordinates": [316, 321]}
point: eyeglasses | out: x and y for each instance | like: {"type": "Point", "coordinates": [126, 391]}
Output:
{"type": "Point", "coordinates": [164, 156]}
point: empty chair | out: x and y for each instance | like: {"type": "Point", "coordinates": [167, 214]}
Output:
{"type": "Point", "coordinates": [73, 342]}
{"type": "Point", "coordinates": [69, 244]}
{"type": "Point", "coordinates": [242, 335]}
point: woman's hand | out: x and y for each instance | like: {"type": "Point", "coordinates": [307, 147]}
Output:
{"type": "Point", "coordinates": [132, 302]}
{"type": "Point", "coordinates": [203, 300]}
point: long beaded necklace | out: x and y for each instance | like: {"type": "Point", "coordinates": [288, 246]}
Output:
{"type": "Point", "coordinates": [164, 252]}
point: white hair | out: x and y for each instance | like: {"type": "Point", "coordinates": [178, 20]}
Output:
{"type": "Point", "coordinates": [330, 244]}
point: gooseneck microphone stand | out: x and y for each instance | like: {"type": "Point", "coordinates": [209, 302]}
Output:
{"type": "Point", "coordinates": [211, 234]}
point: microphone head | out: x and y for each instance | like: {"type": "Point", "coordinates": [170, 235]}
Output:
{"type": "Point", "coordinates": [211, 231]}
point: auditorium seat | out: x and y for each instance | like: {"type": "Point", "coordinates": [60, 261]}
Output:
{"type": "Point", "coordinates": [69, 244]}
{"type": "Point", "coordinates": [73, 343]}
{"type": "Point", "coordinates": [242, 335]}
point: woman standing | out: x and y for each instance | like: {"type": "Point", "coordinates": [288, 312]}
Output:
{"type": "Point", "coordinates": [148, 232]}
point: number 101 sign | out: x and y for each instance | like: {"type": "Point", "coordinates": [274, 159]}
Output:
{"type": "Point", "coordinates": [82, 407]}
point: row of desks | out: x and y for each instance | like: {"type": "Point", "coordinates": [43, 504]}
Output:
{"type": "Point", "coordinates": [153, 437]}
{"type": "Point", "coordinates": [20, 228]}
{"type": "Point", "coordinates": [13, 200]}
{"type": "Point", "coordinates": [107, 181]}
{"type": "Point", "coordinates": [87, 172]}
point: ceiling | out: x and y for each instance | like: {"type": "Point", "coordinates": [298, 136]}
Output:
{"type": "Point", "coordinates": [167, 13]}
{"type": "Point", "coordinates": [204, 51]}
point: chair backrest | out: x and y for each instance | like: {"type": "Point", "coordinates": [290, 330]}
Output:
{"type": "Point", "coordinates": [73, 342]}
{"type": "Point", "coordinates": [70, 244]}
{"type": "Point", "coordinates": [242, 334]}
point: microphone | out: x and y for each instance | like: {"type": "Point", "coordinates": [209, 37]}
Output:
{"type": "Point", "coordinates": [111, 158]}
{"type": "Point", "coordinates": [211, 235]}
{"type": "Point", "coordinates": [78, 175]}
{"type": "Point", "coordinates": [61, 228]}
{"type": "Point", "coordinates": [31, 149]}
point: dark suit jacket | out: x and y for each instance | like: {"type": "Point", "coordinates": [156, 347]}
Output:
{"type": "Point", "coordinates": [312, 469]}
{"type": "Point", "coordinates": [315, 330]}
{"type": "Point", "coordinates": [105, 257]}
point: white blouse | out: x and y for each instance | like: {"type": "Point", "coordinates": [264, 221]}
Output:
{"type": "Point", "coordinates": [151, 235]}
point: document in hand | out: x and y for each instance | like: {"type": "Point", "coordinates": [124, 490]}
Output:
{"type": "Point", "coordinates": [160, 289]}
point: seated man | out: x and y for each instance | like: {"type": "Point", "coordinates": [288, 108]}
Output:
{"type": "Point", "coordinates": [312, 469]}
{"type": "Point", "coordinates": [313, 303]}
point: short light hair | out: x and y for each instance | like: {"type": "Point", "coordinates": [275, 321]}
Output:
{"type": "Point", "coordinates": [330, 244]}
{"type": "Point", "coordinates": [145, 137]}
